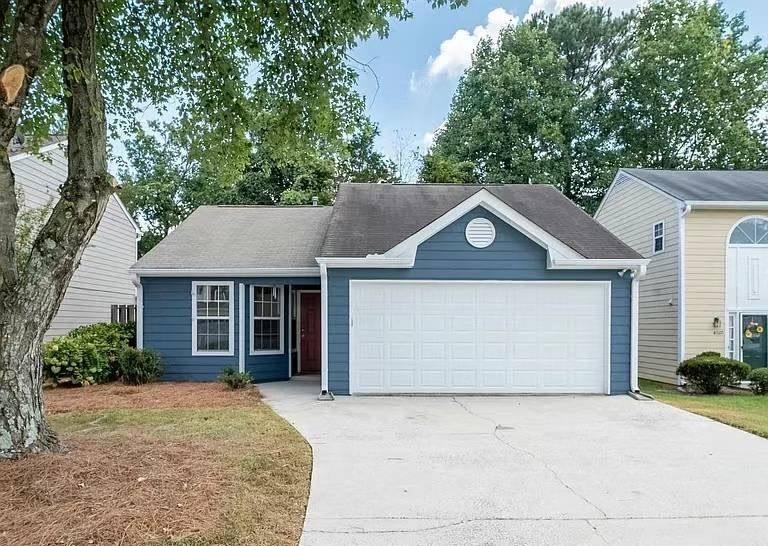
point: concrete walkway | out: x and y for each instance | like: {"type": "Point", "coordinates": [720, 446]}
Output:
{"type": "Point", "coordinates": [524, 470]}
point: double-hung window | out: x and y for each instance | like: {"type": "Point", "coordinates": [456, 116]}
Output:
{"type": "Point", "coordinates": [658, 237]}
{"type": "Point", "coordinates": [266, 320]}
{"type": "Point", "coordinates": [213, 328]}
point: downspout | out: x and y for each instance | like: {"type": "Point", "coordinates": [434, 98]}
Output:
{"type": "Point", "coordinates": [136, 280]}
{"type": "Point", "coordinates": [636, 275]}
{"type": "Point", "coordinates": [325, 394]}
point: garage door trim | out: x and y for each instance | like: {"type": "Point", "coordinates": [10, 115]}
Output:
{"type": "Point", "coordinates": [605, 284]}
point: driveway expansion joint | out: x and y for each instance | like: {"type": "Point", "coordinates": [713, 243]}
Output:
{"type": "Point", "coordinates": [496, 434]}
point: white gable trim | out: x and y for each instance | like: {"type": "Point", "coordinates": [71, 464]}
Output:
{"type": "Point", "coordinates": [127, 214]}
{"type": "Point", "coordinates": [559, 255]}
{"type": "Point", "coordinates": [493, 204]}
{"type": "Point", "coordinates": [749, 205]}
{"type": "Point", "coordinates": [624, 176]}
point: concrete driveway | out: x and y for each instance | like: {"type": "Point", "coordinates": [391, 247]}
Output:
{"type": "Point", "coordinates": [564, 470]}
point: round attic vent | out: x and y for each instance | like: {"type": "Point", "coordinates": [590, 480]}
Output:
{"type": "Point", "coordinates": [480, 232]}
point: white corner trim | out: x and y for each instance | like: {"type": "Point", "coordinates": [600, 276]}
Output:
{"type": "Point", "coordinates": [139, 312]}
{"type": "Point", "coordinates": [252, 318]}
{"type": "Point", "coordinates": [241, 329]}
{"type": "Point", "coordinates": [728, 204]}
{"type": "Point", "coordinates": [682, 215]}
{"type": "Point", "coordinates": [324, 329]}
{"type": "Point", "coordinates": [193, 300]}
{"type": "Point", "coordinates": [634, 355]}
{"type": "Point", "coordinates": [228, 272]}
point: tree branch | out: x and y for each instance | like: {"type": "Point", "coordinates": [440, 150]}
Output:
{"type": "Point", "coordinates": [24, 48]}
{"type": "Point", "coordinates": [84, 196]}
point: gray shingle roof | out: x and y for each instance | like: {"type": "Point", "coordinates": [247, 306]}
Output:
{"type": "Point", "coordinates": [242, 237]}
{"type": "Point", "coordinates": [707, 185]}
{"type": "Point", "coordinates": [372, 218]}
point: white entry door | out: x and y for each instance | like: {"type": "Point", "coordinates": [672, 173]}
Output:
{"type": "Point", "coordinates": [479, 337]}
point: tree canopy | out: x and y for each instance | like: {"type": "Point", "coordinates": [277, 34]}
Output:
{"type": "Point", "coordinates": [567, 99]}
{"type": "Point", "coordinates": [234, 76]}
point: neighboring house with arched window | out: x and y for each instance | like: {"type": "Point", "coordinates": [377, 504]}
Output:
{"type": "Point", "coordinates": [706, 233]}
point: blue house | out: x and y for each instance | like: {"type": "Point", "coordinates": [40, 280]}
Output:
{"type": "Point", "coordinates": [399, 289]}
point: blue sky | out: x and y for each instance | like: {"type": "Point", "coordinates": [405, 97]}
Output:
{"type": "Point", "coordinates": [418, 65]}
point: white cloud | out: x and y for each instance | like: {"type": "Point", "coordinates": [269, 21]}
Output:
{"type": "Point", "coordinates": [456, 52]}
{"type": "Point", "coordinates": [429, 137]}
{"type": "Point", "coordinates": [556, 6]}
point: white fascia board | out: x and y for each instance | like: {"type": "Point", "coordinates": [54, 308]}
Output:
{"type": "Point", "coordinates": [493, 204]}
{"type": "Point", "coordinates": [127, 214]}
{"type": "Point", "coordinates": [372, 261]}
{"type": "Point", "coordinates": [42, 150]}
{"type": "Point", "coordinates": [640, 264]}
{"type": "Point", "coordinates": [231, 272]}
{"type": "Point", "coordinates": [727, 204]}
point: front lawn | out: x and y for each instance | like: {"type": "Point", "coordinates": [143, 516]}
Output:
{"type": "Point", "coordinates": [742, 410]}
{"type": "Point", "coordinates": [159, 465]}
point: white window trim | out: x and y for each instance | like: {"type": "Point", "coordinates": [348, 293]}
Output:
{"type": "Point", "coordinates": [252, 318]}
{"type": "Point", "coordinates": [654, 237]}
{"type": "Point", "coordinates": [231, 285]}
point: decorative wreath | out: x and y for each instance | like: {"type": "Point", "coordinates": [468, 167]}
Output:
{"type": "Point", "coordinates": [753, 331]}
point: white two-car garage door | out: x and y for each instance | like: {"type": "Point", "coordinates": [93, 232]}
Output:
{"type": "Point", "coordinates": [479, 337]}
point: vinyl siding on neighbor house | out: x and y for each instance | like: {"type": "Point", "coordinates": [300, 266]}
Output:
{"type": "Point", "coordinates": [167, 323]}
{"type": "Point", "coordinates": [630, 211]}
{"type": "Point", "coordinates": [102, 279]}
{"type": "Point", "coordinates": [448, 256]}
{"type": "Point", "coordinates": [706, 234]}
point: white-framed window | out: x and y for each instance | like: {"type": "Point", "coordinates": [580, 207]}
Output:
{"type": "Point", "coordinates": [732, 329]}
{"type": "Point", "coordinates": [267, 320]}
{"type": "Point", "coordinates": [658, 237]}
{"type": "Point", "coordinates": [213, 322]}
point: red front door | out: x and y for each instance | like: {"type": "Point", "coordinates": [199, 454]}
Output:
{"type": "Point", "coordinates": [309, 311]}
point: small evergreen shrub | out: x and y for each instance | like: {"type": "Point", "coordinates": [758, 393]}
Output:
{"type": "Point", "coordinates": [234, 379]}
{"type": "Point", "coordinates": [75, 361]}
{"type": "Point", "coordinates": [758, 381]}
{"type": "Point", "coordinates": [138, 366]}
{"type": "Point", "coordinates": [709, 372]}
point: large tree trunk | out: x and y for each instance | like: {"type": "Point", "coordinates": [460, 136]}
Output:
{"type": "Point", "coordinates": [27, 310]}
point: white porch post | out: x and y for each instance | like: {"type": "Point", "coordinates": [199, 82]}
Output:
{"type": "Point", "coordinates": [290, 330]}
{"type": "Point", "coordinates": [241, 331]}
{"type": "Point", "coordinates": [324, 393]}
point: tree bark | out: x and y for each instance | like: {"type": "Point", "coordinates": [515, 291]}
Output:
{"type": "Point", "coordinates": [26, 314]}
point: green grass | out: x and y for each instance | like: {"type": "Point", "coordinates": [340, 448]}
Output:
{"type": "Point", "coordinates": [741, 410]}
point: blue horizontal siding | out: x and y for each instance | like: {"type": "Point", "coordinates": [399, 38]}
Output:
{"type": "Point", "coordinates": [168, 329]}
{"type": "Point", "coordinates": [448, 256]}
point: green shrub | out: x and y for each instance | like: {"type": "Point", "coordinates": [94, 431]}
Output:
{"type": "Point", "coordinates": [110, 338]}
{"type": "Point", "coordinates": [709, 353]}
{"type": "Point", "coordinates": [138, 366]}
{"type": "Point", "coordinates": [710, 372]}
{"type": "Point", "coordinates": [74, 361]}
{"type": "Point", "coordinates": [758, 381]}
{"type": "Point", "coordinates": [234, 379]}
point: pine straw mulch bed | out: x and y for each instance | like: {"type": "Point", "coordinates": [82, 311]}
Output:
{"type": "Point", "coordinates": [163, 464]}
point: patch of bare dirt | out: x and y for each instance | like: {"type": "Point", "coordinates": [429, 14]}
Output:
{"type": "Point", "coordinates": [115, 491]}
{"type": "Point", "coordinates": [155, 395]}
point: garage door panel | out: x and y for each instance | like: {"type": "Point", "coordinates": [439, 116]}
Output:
{"type": "Point", "coordinates": [478, 337]}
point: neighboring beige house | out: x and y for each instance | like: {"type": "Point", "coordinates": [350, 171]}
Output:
{"type": "Point", "coordinates": [706, 233]}
{"type": "Point", "coordinates": [102, 279]}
